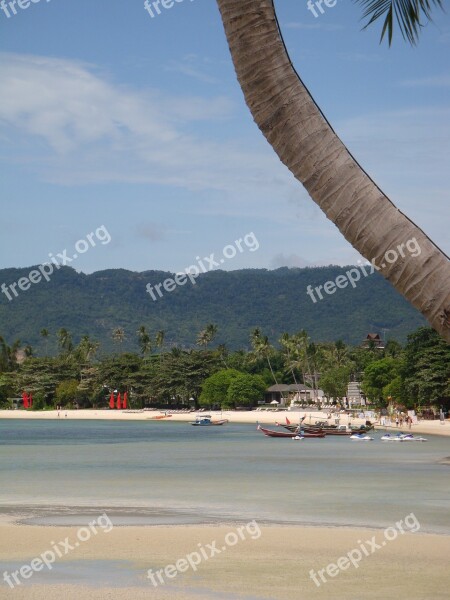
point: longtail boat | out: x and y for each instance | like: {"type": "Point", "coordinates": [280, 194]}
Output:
{"type": "Point", "coordinates": [291, 434]}
{"type": "Point", "coordinates": [316, 430]}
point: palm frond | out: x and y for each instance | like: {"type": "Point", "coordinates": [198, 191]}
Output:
{"type": "Point", "coordinates": [408, 15]}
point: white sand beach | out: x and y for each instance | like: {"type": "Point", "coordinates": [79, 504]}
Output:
{"type": "Point", "coordinates": [250, 417]}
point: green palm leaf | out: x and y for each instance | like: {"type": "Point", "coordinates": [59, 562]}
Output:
{"type": "Point", "coordinates": [408, 15]}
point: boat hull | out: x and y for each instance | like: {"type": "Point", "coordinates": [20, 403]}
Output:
{"type": "Point", "coordinates": [292, 434]}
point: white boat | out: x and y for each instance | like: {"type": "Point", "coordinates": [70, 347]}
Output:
{"type": "Point", "coordinates": [206, 421]}
{"type": "Point", "coordinates": [408, 437]}
{"type": "Point", "coordinates": [360, 436]}
{"type": "Point", "coordinates": [402, 437]}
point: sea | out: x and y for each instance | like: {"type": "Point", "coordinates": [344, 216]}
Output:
{"type": "Point", "coordinates": [56, 472]}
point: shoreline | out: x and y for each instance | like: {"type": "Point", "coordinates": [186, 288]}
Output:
{"type": "Point", "coordinates": [243, 417]}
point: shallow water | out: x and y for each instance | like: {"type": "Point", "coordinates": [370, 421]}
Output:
{"type": "Point", "coordinates": [157, 473]}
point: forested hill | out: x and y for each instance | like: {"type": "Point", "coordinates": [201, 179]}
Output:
{"type": "Point", "coordinates": [236, 301]}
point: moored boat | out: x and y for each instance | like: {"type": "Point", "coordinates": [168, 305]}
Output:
{"type": "Point", "coordinates": [402, 437]}
{"type": "Point", "coordinates": [291, 434]}
{"type": "Point", "coordinates": [361, 437]}
{"type": "Point", "coordinates": [206, 421]}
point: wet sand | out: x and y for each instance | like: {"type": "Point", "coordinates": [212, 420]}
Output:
{"type": "Point", "coordinates": [274, 566]}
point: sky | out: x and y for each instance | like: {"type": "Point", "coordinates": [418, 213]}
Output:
{"type": "Point", "coordinates": [112, 118]}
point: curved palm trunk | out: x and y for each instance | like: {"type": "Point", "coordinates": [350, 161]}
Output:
{"type": "Point", "coordinates": [305, 142]}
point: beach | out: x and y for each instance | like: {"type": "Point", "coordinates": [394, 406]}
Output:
{"type": "Point", "coordinates": [233, 416]}
{"type": "Point", "coordinates": [276, 566]}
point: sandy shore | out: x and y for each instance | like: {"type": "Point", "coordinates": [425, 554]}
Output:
{"type": "Point", "coordinates": [251, 417]}
{"type": "Point", "coordinates": [276, 565]}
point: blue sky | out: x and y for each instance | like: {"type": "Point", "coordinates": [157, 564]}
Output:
{"type": "Point", "coordinates": [111, 117]}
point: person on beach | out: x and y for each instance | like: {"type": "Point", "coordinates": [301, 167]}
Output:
{"type": "Point", "coordinates": [396, 421]}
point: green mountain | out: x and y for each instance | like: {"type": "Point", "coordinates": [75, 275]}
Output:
{"type": "Point", "coordinates": [237, 301]}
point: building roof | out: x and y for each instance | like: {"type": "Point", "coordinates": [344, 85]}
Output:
{"type": "Point", "coordinates": [282, 387]}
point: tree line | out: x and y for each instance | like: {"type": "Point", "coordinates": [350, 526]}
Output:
{"type": "Point", "coordinates": [169, 375]}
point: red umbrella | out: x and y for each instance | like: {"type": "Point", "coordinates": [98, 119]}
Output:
{"type": "Point", "coordinates": [111, 400]}
{"type": "Point", "coordinates": [25, 400]}
{"type": "Point", "coordinates": [119, 404]}
{"type": "Point", "coordinates": [125, 401]}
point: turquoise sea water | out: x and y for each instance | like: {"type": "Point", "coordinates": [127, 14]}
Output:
{"type": "Point", "coordinates": [161, 472]}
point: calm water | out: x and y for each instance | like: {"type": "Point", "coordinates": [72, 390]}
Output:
{"type": "Point", "coordinates": [147, 472]}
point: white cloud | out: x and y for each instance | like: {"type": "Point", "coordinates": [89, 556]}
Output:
{"type": "Point", "coordinates": [97, 131]}
{"type": "Point", "coordinates": [291, 260]}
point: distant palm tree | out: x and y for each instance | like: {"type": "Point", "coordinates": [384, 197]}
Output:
{"type": "Point", "coordinates": [144, 339]}
{"type": "Point", "coordinates": [223, 353]}
{"type": "Point", "coordinates": [45, 334]}
{"type": "Point", "coordinates": [159, 343]}
{"type": "Point", "coordinates": [86, 349]}
{"type": "Point", "coordinates": [8, 355]}
{"type": "Point", "coordinates": [207, 335]}
{"type": "Point", "coordinates": [159, 339]}
{"type": "Point", "coordinates": [301, 346]}
{"type": "Point", "coordinates": [262, 349]}
{"type": "Point", "coordinates": [28, 351]}
{"type": "Point", "coordinates": [65, 344]}
{"type": "Point", "coordinates": [118, 335]}
{"type": "Point", "coordinates": [288, 344]}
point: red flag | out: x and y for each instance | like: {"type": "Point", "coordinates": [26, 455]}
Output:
{"type": "Point", "coordinates": [25, 400]}
{"type": "Point", "coordinates": [30, 401]}
{"type": "Point", "coordinates": [125, 401]}
{"type": "Point", "coordinates": [119, 402]}
{"type": "Point", "coordinates": [287, 421]}
{"type": "Point", "coordinates": [111, 400]}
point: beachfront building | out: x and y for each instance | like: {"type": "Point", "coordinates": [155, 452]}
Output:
{"type": "Point", "coordinates": [290, 394]}
{"type": "Point", "coordinates": [354, 394]}
{"type": "Point", "coordinates": [373, 340]}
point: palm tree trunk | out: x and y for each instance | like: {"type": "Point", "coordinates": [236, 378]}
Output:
{"type": "Point", "coordinates": [305, 142]}
{"type": "Point", "coordinates": [271, 370]}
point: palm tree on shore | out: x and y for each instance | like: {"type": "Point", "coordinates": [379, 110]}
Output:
{"type": "Point", "coordinates": [262, 349]}
{"type": "Point", "coordinates": [159, 339]}
{"type": "Point", "coordinates": [305, 142]}
{"type": "Point", "coordinates": [145, 342]}
{"type": "Point", "coordinates": [207, 335]}
{"type": "Point", "coordinates": [45, 334]}
{"type": "Point", "coordinates": [118, 335]}
{"type": "Point", "coordinates": [65, 343]}
{"type": "Point", "coordinates": [287, 343]}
